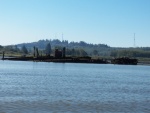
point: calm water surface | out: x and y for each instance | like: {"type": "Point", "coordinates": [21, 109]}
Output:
{"type": "Point", "coordinates": [35, 87]}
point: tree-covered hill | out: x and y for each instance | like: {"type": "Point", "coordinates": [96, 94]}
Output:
{"type": "Point", "coordinates": [54, 43]}
{"type": "Point", "coordinates": [90, 49]}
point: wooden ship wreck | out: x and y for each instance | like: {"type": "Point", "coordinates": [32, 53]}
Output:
{"type": "Point", "coordinates": [59, 57]}
{"type": "Point", "coordinates": [125, 61]}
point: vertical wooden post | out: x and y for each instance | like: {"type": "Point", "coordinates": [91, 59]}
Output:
{"type": "Point", "coordinates": [37, 52]}
{"type": "Point", "coordinates": [34, 52]}
{"type": "Point", "coordinates": [3, 55]}
{"type": "Point", "coordinates": [64, 52]}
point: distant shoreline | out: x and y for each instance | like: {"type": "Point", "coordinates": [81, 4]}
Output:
{"type": "Point", "coordinates": [144, 64]}
{"type": "Point", "coordinates": [87, 60]}
{"type": "Point", "coordinates": [70, 61]}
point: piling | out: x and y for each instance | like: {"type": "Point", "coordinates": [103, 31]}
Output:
{"type": "Point", "coordinates": [3, 55]}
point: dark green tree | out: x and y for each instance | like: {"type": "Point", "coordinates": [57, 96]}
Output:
{"type": "Point", "coordinates": [48, 49]}
{"type": "Point", "coordinates": [82, 52]}
{"type": "Point", "coordinates": [24, 49]}
{"type": "Point", "coordinates": [1, 47]}
{"type": "Point", "coordinates": [95, 52]}
{"type": "Point", "coordinates": [73, 52]}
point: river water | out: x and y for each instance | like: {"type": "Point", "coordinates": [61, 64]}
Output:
{"type": "Point", "coordinates": [36, 87]}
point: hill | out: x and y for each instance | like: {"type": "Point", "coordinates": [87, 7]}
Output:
{"type": "Point", "coordinates": [90, 49]}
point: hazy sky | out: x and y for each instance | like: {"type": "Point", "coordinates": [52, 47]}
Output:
{"type": "Point", "coordinates": [111, 22]}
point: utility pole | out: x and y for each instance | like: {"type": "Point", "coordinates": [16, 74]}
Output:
{"type": "Point", "coordinates": [62, 37]}
{"type": "Point", "coordinates": [134, 41]}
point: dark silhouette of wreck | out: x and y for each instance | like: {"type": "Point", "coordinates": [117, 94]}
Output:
{"type": "Point", "coordinates": [124, 61]}
{"type": "Point", "coordinates": [60, 56]}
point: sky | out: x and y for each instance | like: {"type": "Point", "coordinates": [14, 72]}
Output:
{"type": "Point", "coordinates": [111, 22]}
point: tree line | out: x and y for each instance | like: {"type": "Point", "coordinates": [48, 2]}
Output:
{"type": "Point", "coordinates": [47, 51]}
{"type": "Point", "coordinates": [75, 49]}
{"type": "Point", "coordinates": [130, 53]}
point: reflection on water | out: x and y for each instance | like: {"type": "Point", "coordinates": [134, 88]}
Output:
{"type": "Point", "coordinates": [74, 106]}
{"type": "Point", "coordinates": [31, 87]}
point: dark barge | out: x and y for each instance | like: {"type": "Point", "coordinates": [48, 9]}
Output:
{"type": "Point", "coordinates": [125, 61]}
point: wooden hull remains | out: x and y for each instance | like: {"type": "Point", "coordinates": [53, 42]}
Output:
{"type": "Point", "coordinates": [124, 61]}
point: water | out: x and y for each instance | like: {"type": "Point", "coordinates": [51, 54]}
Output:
{"type": "Point", "coordinates": [35, 87]}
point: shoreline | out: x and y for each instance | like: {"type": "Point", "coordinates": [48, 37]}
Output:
{"type": "Point", "coordinates": [59, 60]}
{"type": "Point", "coordinates": [142, 64]}
{"type": "Point", "coordinates": [86, 60]}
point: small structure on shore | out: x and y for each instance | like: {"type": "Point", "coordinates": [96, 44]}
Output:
{"type": "Point", "coordinates": [60, 53]}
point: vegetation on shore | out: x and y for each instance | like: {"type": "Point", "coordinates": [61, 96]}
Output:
{"type": "Point", "coordinates": [77, 49]}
